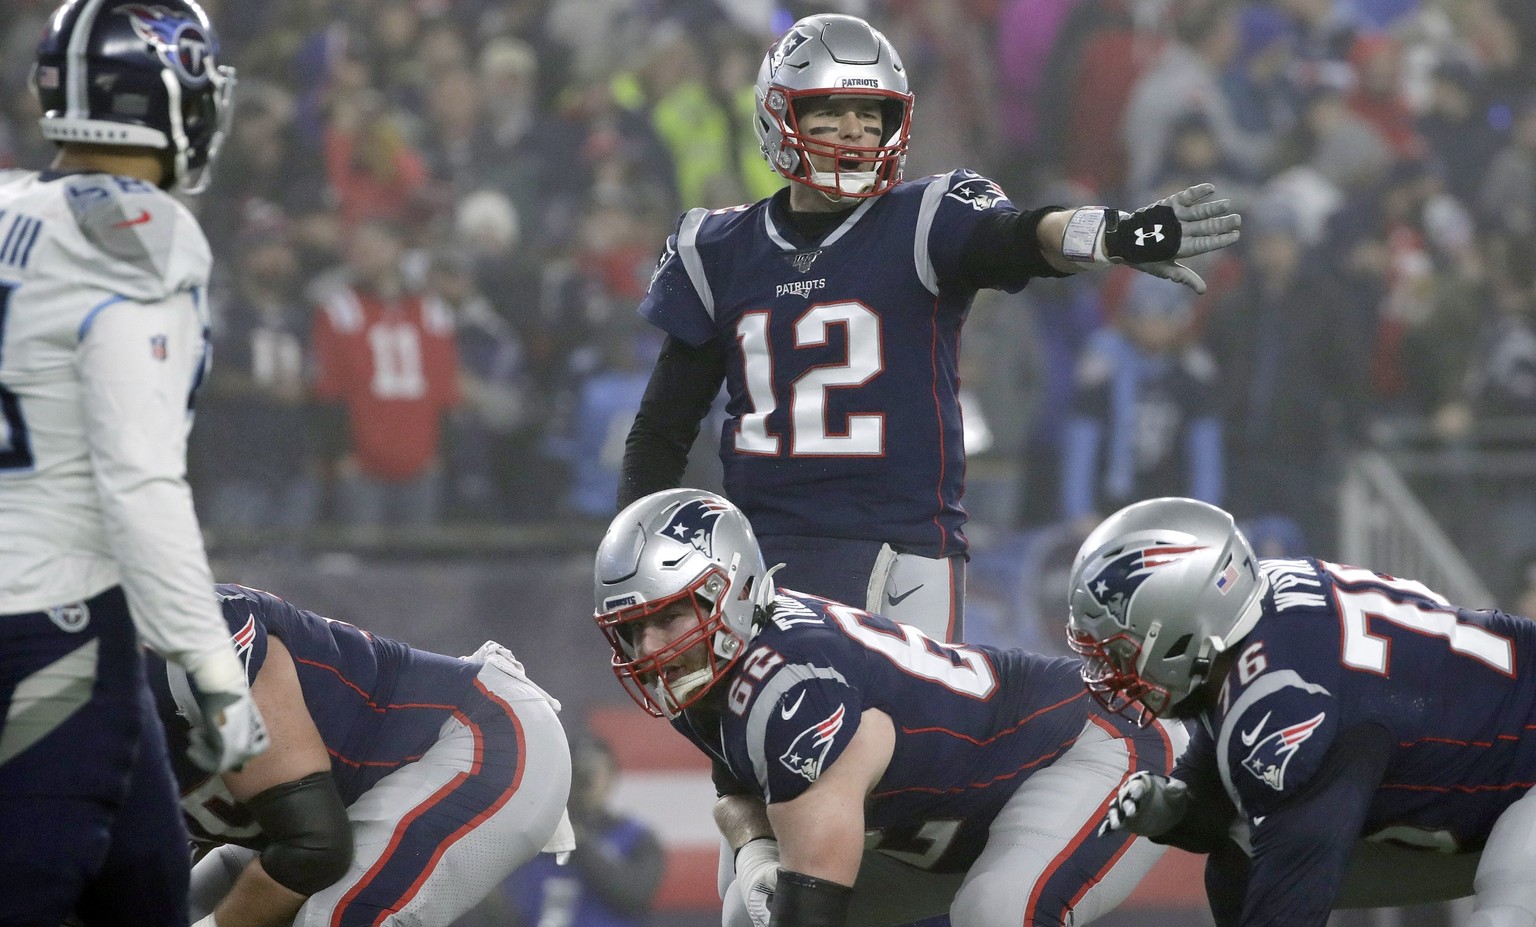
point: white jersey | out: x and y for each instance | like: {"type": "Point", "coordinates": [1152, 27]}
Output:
{"type": "Point", "coordinates": [103, 339]}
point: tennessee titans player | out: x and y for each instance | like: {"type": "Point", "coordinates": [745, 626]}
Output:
{"type": "Point", "coordinates": [401, 786]}
{"type": "Point", "coordinates": [868, 774]}
{"type": "Point", "coordinates": [831, 311]}
{"type": "Point", "coordinates": [1361, 741]}
{"type": "Point", "coordinates": [103, 342]}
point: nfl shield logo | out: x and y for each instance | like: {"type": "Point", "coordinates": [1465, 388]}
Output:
{"type": "Point", "coordinates": [157, 347]}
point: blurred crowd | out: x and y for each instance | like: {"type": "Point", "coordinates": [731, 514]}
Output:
{"type": "Point", "coordinates": [497, 179]}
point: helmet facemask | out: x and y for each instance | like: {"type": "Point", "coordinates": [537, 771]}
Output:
{"type": "Point", "coordinates": [858, 172]}
{"type": "Point", "coordinates": [646, 678]}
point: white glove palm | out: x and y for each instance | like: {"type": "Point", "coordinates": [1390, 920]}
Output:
{"type": "Point", "coordinates": [228, 729]}
{"type": "Point", "coordinates": [757, 875]}
{"type": "Point", "coordinates": [1147, 804]}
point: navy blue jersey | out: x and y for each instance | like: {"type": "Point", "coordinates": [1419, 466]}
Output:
{"type": "Point", "coordinates": [843, 414]}
{"type": "Point", "coordinates": [377, 703]}
{"type": "Point", "coordinates": [1340, 646]}
{"type": "Point", "coordinates": [972, 722]}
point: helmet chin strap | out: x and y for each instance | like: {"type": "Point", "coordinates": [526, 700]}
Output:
{"type": "Point", "coordinates": [681, 688]}
{"type": "Point", "coordinates": [847, 182]}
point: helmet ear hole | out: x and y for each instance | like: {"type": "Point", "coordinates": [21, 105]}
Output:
{"type": "Point", "coordinates": [1179, 647]}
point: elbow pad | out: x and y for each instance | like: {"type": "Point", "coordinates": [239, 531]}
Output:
{"type": "Point", "coordinates": [309, 839]}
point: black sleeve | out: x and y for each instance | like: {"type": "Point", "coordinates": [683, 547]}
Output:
{"type": "Point", "coordinates": [626, 882]}
{"type": "Point", "coordinates": [1301, 851]}
{"type": "Point", "coordinates": [726, 782]}
{"type": "Point", "coordinates": [1208, 822]}
{"type": "Point", "coordinates": [682, 387]}
{"type": "Point", "coordinates": [1003, 251]}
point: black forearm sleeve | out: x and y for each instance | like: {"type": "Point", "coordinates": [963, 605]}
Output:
{"type": "Point", "coordinates": [1004, 251]}
{"type": "Point", "coordinates": [803, 901]}
{"type": "Point", "coordinates": [682, 387]}
{"type": "Point", "coordinates": [1206, 825]}
{"type": "Point", "coordinates": [309, 839]}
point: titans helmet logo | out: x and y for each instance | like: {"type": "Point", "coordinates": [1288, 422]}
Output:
{"type": "Point", "coordinates": [1119, 579]}
{"type": "Point", "coordinates": [179, 42]}
{"type": "Point", "coordinates": [694, 524]}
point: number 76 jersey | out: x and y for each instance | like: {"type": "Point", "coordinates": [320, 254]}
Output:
{"type": "Point", "coordinates": [843, 416]}
{"type": "Point", "coordinates": [1340, 646]}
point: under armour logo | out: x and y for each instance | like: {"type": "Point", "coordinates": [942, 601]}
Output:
{"type": "Point", "coordinates": [1142, 235]}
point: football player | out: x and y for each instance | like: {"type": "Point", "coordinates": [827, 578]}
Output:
{"type": "Point", "coordinates": [1361, 742]}
{"type": "Point", "coordinates": [832, 310]}
{"type": "Point", "coordinates": [103, 322]}
{"type": "Point", "coordinates": [868, 774]}
{"type": "Point", "coordinates": [401, 785]}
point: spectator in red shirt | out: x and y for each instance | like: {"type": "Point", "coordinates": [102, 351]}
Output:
{"type": "Point", "coordinates": [387, 357]}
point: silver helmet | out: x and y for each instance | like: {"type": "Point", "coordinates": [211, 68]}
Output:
{"type": "Point", "coordinates": [820, 56]}
{"type": "Point", "coordinates": [1158, 591]}
{"type": "Point", "coordinates": [679, 545]}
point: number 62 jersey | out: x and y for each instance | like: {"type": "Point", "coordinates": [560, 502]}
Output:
{"type": "Point", "coordinates": [1341, 649]}
{"type": "Point", "coordinates": [972, 724]}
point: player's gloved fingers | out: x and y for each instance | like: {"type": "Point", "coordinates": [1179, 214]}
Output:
{"type": "Point", "coordinates": [1191, 195]}
{"type": "Point", "coordinates": [1200, 244]}
{"type": "Point", "coordinates": [1206, 210]}
{"type": "Point", "coordinates": [1173, 270]}
{"type": "Point", "coordinates": [1217, 225]}
{"type": "Point", "coordinates": [1208, 222]}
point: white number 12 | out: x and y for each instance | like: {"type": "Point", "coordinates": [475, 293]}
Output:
{"type": "Point", "coordinates": [810, 434]}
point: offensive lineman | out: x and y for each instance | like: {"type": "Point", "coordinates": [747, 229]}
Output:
{"type": "Point", "coordinates": [1361, 742]}
{"type": "Point", "coordinates": [401, 785]}
{"type": "Point", "coordinates": [102, 344]}
{"type": "Point", "coordinates": [893, 777]}
{"type": "Point", "coordinates": [832, 312]}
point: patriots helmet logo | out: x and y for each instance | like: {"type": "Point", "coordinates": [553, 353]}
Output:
{"type": "Point", "coordinates": [694, 524]}
{"type": "Point", "coordinates": [1270, 756]}
{"type": "Point", "coordinates": [1118, 580]}
{"type": "Point", "coordinates": [808, 751]}
{"type": "Point", "coordinates": [784, 49]}
{"type": "Point", "coordinates": [179, 42]}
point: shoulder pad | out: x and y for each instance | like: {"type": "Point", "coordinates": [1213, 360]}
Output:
{"type": "Point", "coordinates": [137, 224]}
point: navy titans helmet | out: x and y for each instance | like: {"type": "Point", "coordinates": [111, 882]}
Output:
{"type": "Point", "coordinates": [113, 72]}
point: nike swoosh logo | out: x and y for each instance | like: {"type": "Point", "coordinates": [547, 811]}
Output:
{"type": "Point", "coordinates": [1251, 737]}
{"type": "Point", "coordinates": [142, 218]}
{"type": "Point", "coordinates": [787, 713]}
{"type": "Point", "coordinates": [894, 600]}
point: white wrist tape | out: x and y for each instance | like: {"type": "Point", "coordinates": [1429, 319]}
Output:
{"type": "Point", "coordinates": [1083, 241]}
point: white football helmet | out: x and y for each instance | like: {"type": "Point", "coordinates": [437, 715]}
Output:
{"type": "Point", "coordinates": [1158, 591]}
{"type": "Point", "coordinates": [820, 56]}
{"type": "Point", "coordinates": [679, 545]}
